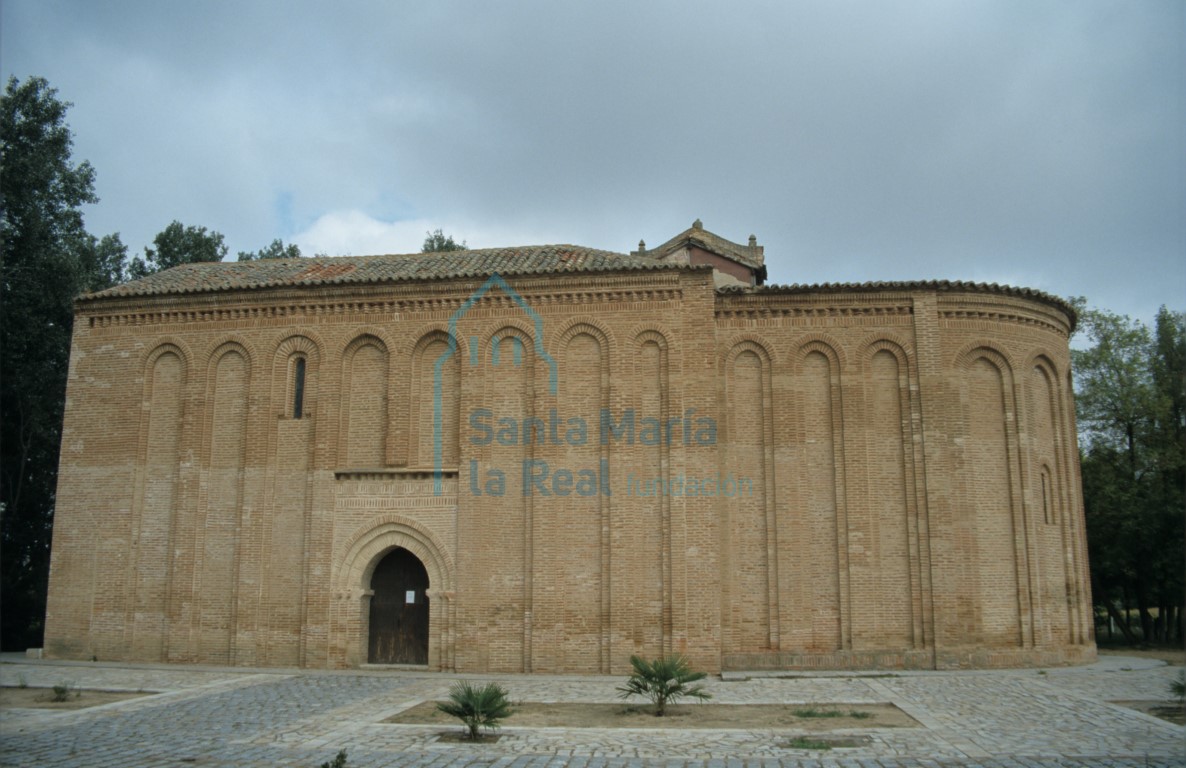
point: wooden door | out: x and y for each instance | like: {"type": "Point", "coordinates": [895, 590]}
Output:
{"type": "Point", "coordinates": [399, 610]}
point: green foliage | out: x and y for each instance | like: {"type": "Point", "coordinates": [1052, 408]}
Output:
{"type": "Point", "coordinates": [277, 250]}
{"type": "Point", "coordinates": [1130, 395]}
{"type": "Point", "coordinates": [62, 692]}
{"type": "Point", "coordinates": [104, 262]}
{"type": "Point", "coordinates": [812, 712]}
{"type": "Point", "coordinates": [48, 258]}
{"type": "Point", "coordinates": [1178, 688]}
{"type": "Point", "coordinates": [178, 244]}
{"type": "Point", "coordinates": [806, 742]}
{"type": "Point", "coordinates": [438, 241]}
{"type": "Point", "coordinates": [338, 762]}
{"type": "Point", "coordinates": [477, 707]}
{"type": "Point", "coordinates": [663, 681]}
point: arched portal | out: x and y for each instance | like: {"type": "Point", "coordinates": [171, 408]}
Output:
{"type": "Point", "coordinates": [399, 610]}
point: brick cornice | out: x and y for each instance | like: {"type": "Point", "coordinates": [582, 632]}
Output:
{"type": "Point", "coordinates": [554, 294]}
{"type": "Point", "coordinates": [967, 307]}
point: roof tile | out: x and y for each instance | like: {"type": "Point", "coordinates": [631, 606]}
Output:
{"type": "Point", "coordinates": [270, 273]}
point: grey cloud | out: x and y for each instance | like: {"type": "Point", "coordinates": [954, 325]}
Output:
{"type": "Point", "coordinates": [1040, 141]}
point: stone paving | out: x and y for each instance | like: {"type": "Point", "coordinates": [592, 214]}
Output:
{"type": "Point", "coordinates": [205, 716]}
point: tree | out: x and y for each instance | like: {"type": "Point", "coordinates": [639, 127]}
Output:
{"type": "Point", "coordinates": [1129, 403]}
{"type": "Point", "coordinates": [104, 262]}
{"type": "Point", "coordinates": [178, 244]}
{"type": "Point", "coordinates": [438, 241]}
{"type": "Point", "coordinates": [277, 250]}
{"type": "Point", "coordinates": [48, 259]}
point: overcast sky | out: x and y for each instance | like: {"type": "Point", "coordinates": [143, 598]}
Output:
{"type": "Point", "coordinates": [1040, 144]}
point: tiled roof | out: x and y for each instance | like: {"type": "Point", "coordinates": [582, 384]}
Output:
{"type": "Point", "coordinates": [270, 273]}
{"type": "Point", "coordinates": [905, 285]}
{"type": "Point", "coordinates": [205, 277]}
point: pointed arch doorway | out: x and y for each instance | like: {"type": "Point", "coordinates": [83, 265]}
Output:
{"type": "Point", "coordinates": [398, 631]}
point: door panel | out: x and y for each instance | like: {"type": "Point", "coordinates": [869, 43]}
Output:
{"type": "Point", "coordinates": [399, 610]}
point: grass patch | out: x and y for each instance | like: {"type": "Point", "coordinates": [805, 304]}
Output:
{"type": "Point", "coordinates": [824, 743]}
{"type": "Point", "coordinates": [810, 712]}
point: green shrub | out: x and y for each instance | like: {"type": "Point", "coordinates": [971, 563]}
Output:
{"type": "Point", "coordinates": [1178, 688]}
{"type": "Point", "coordinates": [806, 742]}
{"type": "Point", "coordinates": [337, 762]}
{"type": "Point", "coordinates": [477, 707]}
{"type": "Point", "coordinates": [62, 692]}
{"type": "Point", "coordinates": [663, 680]}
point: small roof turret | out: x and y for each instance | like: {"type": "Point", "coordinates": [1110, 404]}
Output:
{"type": "Point", "coordinates": [734, 262]}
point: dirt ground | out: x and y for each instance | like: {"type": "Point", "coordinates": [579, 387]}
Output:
{"type": "Point", "coordinates": [42, 698]}
{"type": "Point", "coordinates": [1166, 710]}
{"type": "Point", "coordinates": [1173, 656]}
{"type": "Point", "coordinates": [725, 716]}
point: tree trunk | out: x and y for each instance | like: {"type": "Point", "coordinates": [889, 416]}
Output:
{"type": "Point", "coordinates": [1126, 604]}
{"type": "Point", "coordinates": [1117, 619]}
{"type": "Point", "coordinates": [1143, 612]}
{"type": "Point", "coordinates": [1121, 622]}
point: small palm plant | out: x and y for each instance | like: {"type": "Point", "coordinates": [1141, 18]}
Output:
{"type": "Point", "coordinates": [477, 707]}
{"type": "Point", "coordinates": [663, 680]}
{"type": "Point", "coordinates": [1178, 688]}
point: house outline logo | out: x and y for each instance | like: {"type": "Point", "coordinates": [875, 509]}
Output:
{"type": "Point", "coordinates": [495, 280]}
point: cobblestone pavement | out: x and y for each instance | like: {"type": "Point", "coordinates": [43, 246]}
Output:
{"type": "Point", "coordinates": [204, 716]}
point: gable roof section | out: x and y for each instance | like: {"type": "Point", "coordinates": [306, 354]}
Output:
{"type": "Point", "coordinates": [213, 276]}
{"type": "Point", "coordinates": [752, 256]}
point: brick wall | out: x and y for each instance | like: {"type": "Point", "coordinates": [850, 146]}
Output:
{"type": "Point", "coordinates": [892, 479]}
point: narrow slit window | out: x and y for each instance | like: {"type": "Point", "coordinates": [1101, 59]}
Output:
{"type": "Point", "coordinates": [1046, 511]}
{"type": "Point", "coordinates": [298, 388]}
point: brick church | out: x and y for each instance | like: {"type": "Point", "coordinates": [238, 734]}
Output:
{"type": "Point", "coordinates": [548, 458]}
